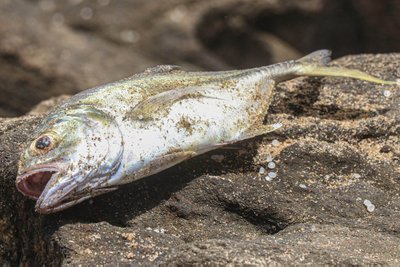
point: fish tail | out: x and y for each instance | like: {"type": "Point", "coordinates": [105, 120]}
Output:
{"type": "Point", "coordinates": [315, 63]}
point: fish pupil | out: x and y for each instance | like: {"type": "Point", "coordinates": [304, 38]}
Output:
{"type": "Point", "coordinates": [43, 142]}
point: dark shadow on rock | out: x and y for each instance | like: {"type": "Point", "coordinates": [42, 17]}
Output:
{"type": "Point", "coordinates": [269, 223]}
{"type": "Point", "coordinates": [302, 103]}
{"type": "Point", "coordinates": [133, 199]}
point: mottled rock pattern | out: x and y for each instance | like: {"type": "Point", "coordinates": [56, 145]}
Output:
{"type": "Point", "coordinates": [339, 146]}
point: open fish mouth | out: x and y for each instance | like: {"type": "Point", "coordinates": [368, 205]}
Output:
{"type": "Point", "coordinates": [52, 194]}
{"type": "Point", "coordinates": [33, 182]}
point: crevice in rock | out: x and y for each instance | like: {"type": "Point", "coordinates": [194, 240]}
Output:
{"type": "Point", "coordinates": [267, 223]}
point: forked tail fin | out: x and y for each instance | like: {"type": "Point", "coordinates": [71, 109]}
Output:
{"type": "Point", "coordinates": [314, 64]}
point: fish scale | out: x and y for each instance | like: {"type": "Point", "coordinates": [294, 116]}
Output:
{"type": "Point", "coordinates": [120, 132]}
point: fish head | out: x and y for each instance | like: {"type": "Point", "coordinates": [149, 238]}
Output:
{"type": "Point", "coordinates": [70, 158]}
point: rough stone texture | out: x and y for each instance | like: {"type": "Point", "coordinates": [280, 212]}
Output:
{"type": "Point", "coordinates": [301, 244]}
{"type": "Point", "coordinates": [339, 145]}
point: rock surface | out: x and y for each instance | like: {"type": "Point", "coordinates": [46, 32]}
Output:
{"type": "Point", "coordinates": [339, 146]}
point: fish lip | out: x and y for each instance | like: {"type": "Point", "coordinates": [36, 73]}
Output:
{"type": "Point", "coordinates": [62, 205]}
{"type": "Point", "coordinates": [43, 207]}
{"type": "Point", "coordinates": [21, 177]}
{"type": "Point", "coordinates": [45, 167]}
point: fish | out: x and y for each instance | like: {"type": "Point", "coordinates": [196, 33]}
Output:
{"type": "Point", "coordinates": [117, 133]}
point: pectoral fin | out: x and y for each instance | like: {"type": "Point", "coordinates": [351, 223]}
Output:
{"type": "Point", "coordinates": [160, 103]}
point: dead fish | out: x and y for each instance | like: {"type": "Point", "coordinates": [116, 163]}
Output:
{"type": "Point", "coordinates": [123, 131]}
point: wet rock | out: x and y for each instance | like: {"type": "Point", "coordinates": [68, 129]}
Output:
{"type": "Point", "coordinates": [328, 161]}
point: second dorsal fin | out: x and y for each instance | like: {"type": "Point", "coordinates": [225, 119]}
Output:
{"type": "Point", "coordinates": [163, 69]}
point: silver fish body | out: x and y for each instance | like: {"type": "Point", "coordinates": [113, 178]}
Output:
{"type": "Point", "coordinates": [123, 131]}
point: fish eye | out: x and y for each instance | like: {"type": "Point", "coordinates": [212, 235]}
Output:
{"type": "Point", "coordinates": [43, 143]}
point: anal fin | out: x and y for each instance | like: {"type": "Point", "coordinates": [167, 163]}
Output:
{"type": "Point", "coordinates": [251, 132]}
{"type": "Point", "coordinates": [258, 130]}
{"type": "Point", "coordinates": [163, 162]}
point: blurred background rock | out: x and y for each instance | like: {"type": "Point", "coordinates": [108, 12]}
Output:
{"type": "Point", "coordinates": [50, 47]}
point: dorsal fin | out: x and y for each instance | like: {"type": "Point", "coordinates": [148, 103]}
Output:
{"type": "Point", "coordinates": [318, 58]}
{"type": "Point", "coordinates": [163, 69]}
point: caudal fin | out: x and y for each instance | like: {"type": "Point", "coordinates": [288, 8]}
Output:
{"type": "Point", "coordinates": [315, 63]}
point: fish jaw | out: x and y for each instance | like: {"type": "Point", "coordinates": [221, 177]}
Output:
{"type": "Point", "coordinates": [32, 182]}
{"type": "Point", "coordinates": [43, 206]}
{"type": "Point", "coordinates": [54, 203]}
{"type": "Point", "coordinates": [59, 193]}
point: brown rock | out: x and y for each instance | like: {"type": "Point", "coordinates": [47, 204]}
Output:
{"type": "Point", "coordinates": [328, 161]}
